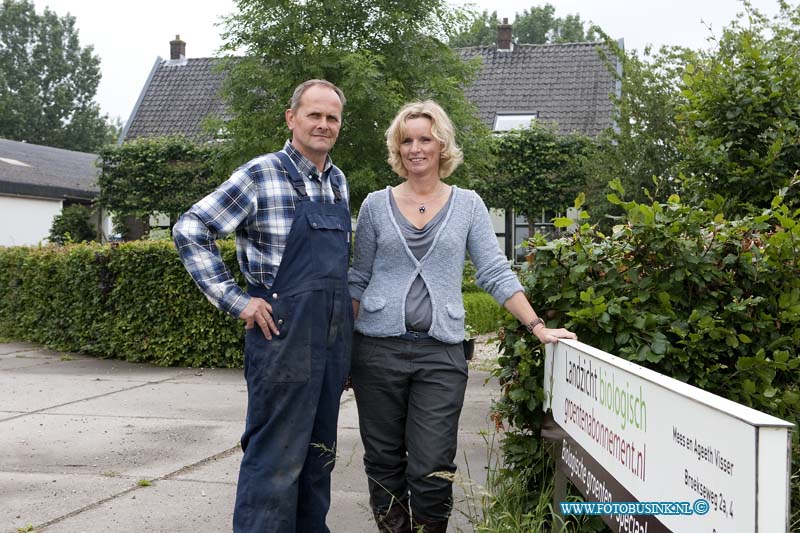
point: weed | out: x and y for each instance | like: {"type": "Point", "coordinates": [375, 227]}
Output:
{"type": "Point", "coordinates": [324, 450]}
{"type": "Point", "coordinates": [110, 473]}
{"type": "Point", "coordinates": [505, 504]}
{"type": "Point", "coordinates": [26, 529]}
{"type": "Point", "coordinates": [66, 357]}
{"type": "Point", "coordinates": [144, 482]}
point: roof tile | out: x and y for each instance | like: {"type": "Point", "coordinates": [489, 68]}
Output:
{"type": "Point", "coordinates": [47, 171]}
{"type": "Point", "coordinates": [566, 84]}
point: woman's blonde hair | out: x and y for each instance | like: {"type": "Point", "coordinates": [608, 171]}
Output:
{"type": "Point", "coordinates": [441, 128]}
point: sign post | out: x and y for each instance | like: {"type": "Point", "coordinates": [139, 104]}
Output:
{"type": "Point", "coordinates": [629, 434]}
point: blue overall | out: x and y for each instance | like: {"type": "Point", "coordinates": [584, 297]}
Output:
{"type": "Point", "coordinates": [295, 380]}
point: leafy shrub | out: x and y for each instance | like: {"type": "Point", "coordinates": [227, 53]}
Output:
{"type": "Point", "coordinates": [468, 278]}
{"type": "Point", "coordinates": [681, 290]}
{"type": "Point", "coordinates": [134, 301]}
{"type": "Point", "coordinates": [482, 312]}
{"type": "Point", "coordinates": [72, 225]}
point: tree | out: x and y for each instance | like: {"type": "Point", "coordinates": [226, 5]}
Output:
{"type": "Point", "coordinates": [72, 225]}
{"type": "Point", "coordinates": [538, 171]}
{"type": "Point", "coordinates": [381, 53]}
{"type": "Point", "coordinates": [540, 25]}
{"type": "Point", "coordinates": [481, 30]}
{"type": "Point", "coordinates": [156, 175]}
{"type": "Point", "coordinates": [641, 149]}
{"type": "Point", "coordinates": [741, 114]}
{"type": "Point", "coordinates": [723, 121]}
{"type": "Point", "coordinates": [537, 26]}
{"type": "Point", "coordinates": [48, 81]}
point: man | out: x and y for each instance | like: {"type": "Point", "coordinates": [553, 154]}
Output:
{"type": "Point", "coordinates": [290, 214]}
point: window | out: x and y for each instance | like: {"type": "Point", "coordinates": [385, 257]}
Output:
{"type": "Point", "coordinates": [510, 122]}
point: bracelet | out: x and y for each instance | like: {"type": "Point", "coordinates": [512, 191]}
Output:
{"type": "Point", "coordinates": [533, 323]}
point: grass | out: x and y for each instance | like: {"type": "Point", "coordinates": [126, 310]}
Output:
{"type": "Point", "coordinates": [66, 357]}
{"type": "Point", "coordinates": [26, 529]}
{"type": "Point", "coordinates": [506, 504]}
{"type": "Point", "coordinates": [110, 473]}
{"type": "Point", "coordinates": [144, 482]}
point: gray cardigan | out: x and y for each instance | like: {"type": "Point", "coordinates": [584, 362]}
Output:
{"type": "Point", "coordinates": [384, 268]}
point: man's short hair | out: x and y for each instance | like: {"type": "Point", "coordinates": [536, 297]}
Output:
{"type": "Point", "coordinates": [294, 103]}
{"type": "Point", "coordinates": [441, 128]}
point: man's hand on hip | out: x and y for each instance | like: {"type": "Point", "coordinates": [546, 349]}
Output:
{"type": "Point", "coordinates": [259, 313]}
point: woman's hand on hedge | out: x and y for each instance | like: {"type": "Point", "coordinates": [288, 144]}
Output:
{"type": "Point", "coordinates": [259, 312]}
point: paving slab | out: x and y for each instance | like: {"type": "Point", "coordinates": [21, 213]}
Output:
{"type": "Point", "coordinates": [166, 506]}
{"type": "Point", "coordinates": [348, 473]}
{"type": "Point", "coordinates": [29, 394]}
{"type": "Point", "coordinates": [168, 399]}
{"type": "Point", "coordinates": [92, 369]}
{"type": "Point", "coordinates": [77, 433]}
{"type": "Point", "coordinates": [223, 468]}
{"type": "Point", "coordinates": [16, 347]}
{"type": "Point", "coordinates": [217, 376]}
{"type": "Point", "coordinates": [36, 498]}
{"type": "Point", "coordinates": [350, 512]}
{"type": "Point", "coordinates": [348, 412]}
{"type": "Point", "coordinates": [82, 445]}
{"type": "Point", "coordinates": [13, 362]}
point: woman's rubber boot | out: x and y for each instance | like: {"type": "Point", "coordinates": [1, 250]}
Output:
{"type": "Point", "coordinates": [395, 520]}
{"type": "Point", "coordinates": [425, 525]}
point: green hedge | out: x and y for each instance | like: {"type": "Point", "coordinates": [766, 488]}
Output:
{"type": "Point", "coordinates": [482, 312]}
{"type": "Point", "coordinates": [468, 284]}
{"type": "Point", "coordinates": [134, 301]}
{"type": "Point", "coordinates": [679, 289]}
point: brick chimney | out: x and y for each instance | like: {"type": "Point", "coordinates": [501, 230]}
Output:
{"type": "Point", "coordinates": [177, 48]}
{"type": "Point", "coordinates": [504, 35]}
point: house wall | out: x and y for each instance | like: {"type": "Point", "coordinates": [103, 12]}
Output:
{"type": "Point", "coordinates": [499, 225]}
{"type": "Point", "coordinates": [26, 221]}
{"type": "Point", "coordinates": [107, 225]}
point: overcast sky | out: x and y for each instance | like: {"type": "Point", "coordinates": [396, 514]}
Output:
{"type": "Point", "coordinates": [128, 36]}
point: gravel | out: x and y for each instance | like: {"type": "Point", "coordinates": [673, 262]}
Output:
{"type": "Point", "coordinates": [486, 350]}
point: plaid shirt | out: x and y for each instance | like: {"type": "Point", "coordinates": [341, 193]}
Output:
{"type": "Point", "coordinates": [257, 202]}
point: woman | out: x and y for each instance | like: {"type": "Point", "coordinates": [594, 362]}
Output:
{"type": "Point", "coordinates": [408, 371]}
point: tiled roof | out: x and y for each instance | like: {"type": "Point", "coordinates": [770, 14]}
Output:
{"type": "Point", "coordinates": [568, 84]}
{"type": "Point", "coordinates": [178, 97]}
{"type": "Point", "coordinates": [35, 170]}
{"type": "Point", "coordinates": [564, 83]}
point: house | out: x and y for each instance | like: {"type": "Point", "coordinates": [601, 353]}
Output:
{"type": "Point", "coordinates": [178, 96]}
{"type": "Point", "coordinates": [569, 85]}
{"type": "Point", "coordinates": [36, 183]}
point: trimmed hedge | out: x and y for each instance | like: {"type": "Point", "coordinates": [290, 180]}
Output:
{"type": "Point", "coordinates": [482, 312]}
{"type": "Point", "coordinates": [134, 301]}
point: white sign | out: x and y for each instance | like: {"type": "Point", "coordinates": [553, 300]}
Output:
{"type": "Point", "coordinates": [662, 440]}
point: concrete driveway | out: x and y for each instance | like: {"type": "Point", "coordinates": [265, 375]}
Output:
{"type": "Point", "coordinates": [92, 445]}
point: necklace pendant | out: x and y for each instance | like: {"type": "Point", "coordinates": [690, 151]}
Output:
{"type": "Point", "coordinates": [422, 208]}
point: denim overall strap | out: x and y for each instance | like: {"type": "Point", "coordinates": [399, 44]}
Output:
{"type": "Point", "coordinates": [299, 184]}
{"type": "Point", "coordinates": [295, 380]}
{"type": "Point", "coordinates": [295, 178]}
